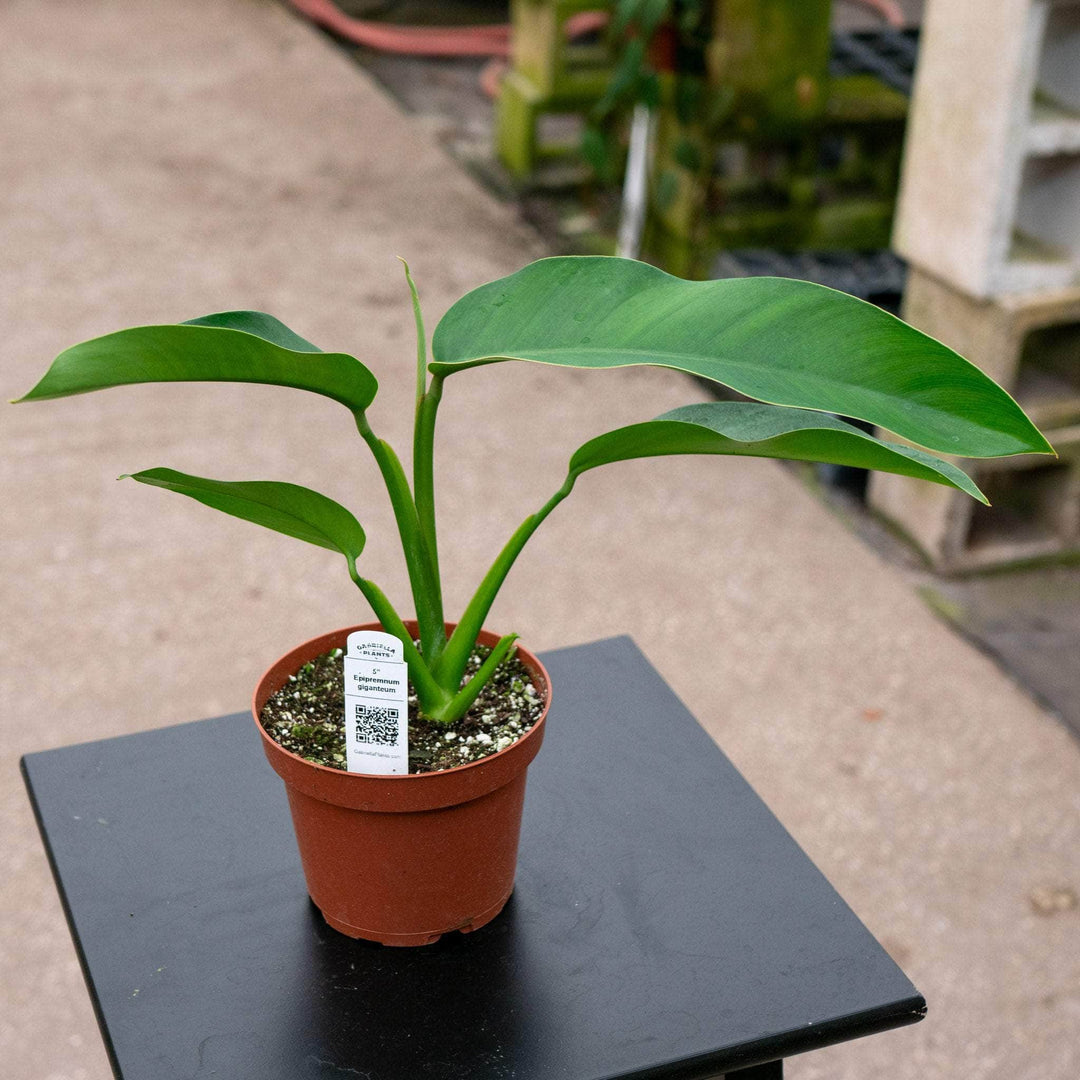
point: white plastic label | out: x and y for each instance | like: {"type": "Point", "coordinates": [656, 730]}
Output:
{"type": "Point", "coordinates": [376, 704]}
{"type": "Point", "coordinates": [374, 645]}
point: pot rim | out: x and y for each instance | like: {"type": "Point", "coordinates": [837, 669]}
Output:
{"type": "Point", "coordinates": [402, 791]}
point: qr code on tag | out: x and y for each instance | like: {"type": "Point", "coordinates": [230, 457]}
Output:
{"type": "Point", "coordinates": [376, 724]}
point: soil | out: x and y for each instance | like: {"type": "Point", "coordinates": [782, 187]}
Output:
{"type": "Point", "coordinates": [307, 716]}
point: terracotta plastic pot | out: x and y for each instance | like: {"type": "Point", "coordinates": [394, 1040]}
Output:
{"type": "Point", "coordinates": [404, 859]}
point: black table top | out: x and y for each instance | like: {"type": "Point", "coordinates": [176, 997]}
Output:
{"type": "Point", "coordinates": [664, 924]}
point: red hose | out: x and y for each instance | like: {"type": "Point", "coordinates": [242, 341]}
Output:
{"type": "Point", "coordinates": [487, 40]}
{"type": "Point", "coordinates": [889, 10]}
{"type": "Point", "coordinates": [413, 40]}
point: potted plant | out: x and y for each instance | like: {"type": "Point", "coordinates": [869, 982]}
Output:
{"type": "Point", "coordinates": [404, 858]}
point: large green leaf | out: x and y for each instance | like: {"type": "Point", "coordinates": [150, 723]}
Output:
{"type": "Point", "coordinates": [285, 508]}
{"type": "Point", "coordinates": [258, 323]}
{"type": "Point", "coordinates": [749, 429]}
{"type": "Point", "coordinates": [233, 346]}
{"type": "Point", "coordinates": [778, 340]}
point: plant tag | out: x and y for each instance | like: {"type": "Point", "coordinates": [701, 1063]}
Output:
{"type": "Point", "coordinates": [376, 704]}
{"type": "Point", "coordinates": [374, 645]}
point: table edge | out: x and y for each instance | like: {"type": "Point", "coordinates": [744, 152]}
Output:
{"type": "Point", "coordinates": [106, 1038]}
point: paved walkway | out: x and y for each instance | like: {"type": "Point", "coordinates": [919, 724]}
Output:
{"type": "Point", "coordinates": [162, 161]}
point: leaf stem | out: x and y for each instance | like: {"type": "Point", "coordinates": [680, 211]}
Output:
{"type": "Point", "coordinates": [424, 472]}
{"type": "Point", "coordinates": [464, 698]}
{"type": "Point", "coordinates": [451, 667]}
{"type": "Point", "coordinates": [430, 696]}
{"type": "Point", "coordinates": [426, 594]}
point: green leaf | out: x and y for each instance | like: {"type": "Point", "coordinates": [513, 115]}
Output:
{"type": "Point", "coordinates": [749, 429]}
{"type": "Point", "coordinates": [594, 148]}
{"type": "Point", "coordinates": [687, 155]}
{"type": "Point", "coordinates": [258, 323]}
{"type": "Point", "coordinates": [285, 508]}
{"type": "Point", "coordinates": [688, 94]}
{"type": "Point", "coordinates": [651, 90]}
{"type": "Point", "coordinates": [652, 13]}
{"type": "Point", "coordinates": [628, 71]}
{"type": "Point", "coordinates": [233, 346]}
{"type": "Point", "coordinates": [781, 341]}
{"type": "Point", "coordinates": [667, 189]}
{"type": "Point", "coordinates": [626, 11]}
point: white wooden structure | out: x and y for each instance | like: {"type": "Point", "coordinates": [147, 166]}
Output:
{"type": "Point", "coordinates": [989, 221]}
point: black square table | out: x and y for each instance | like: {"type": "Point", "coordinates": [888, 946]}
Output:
{"type": "Point", "coordinates": [664, 924]}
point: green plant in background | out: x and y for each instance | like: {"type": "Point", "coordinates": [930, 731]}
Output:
{"type": "Point", "coordinates": [642, 30]}
{"type": "Point", "coordinates": [803, 351]}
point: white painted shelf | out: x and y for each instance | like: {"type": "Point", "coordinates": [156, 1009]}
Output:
{"type": "Point", "coordinates": [1052, 130]}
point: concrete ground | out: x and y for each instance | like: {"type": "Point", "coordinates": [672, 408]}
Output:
{"type": "Point", "coordinates": [162, 161]}
{"type": "Point", "coordinates": [1030, 621]}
